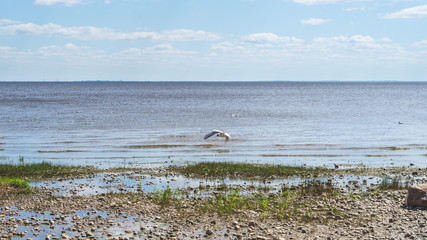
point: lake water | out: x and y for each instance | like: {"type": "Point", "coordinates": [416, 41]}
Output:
{"type": "Point", "coordinates": [140, 124]}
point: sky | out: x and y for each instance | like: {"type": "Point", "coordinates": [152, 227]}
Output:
{"type": "Point", "coordinates": [213, 40]}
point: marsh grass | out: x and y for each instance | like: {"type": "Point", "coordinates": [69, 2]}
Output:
{"type": "Point", "coordinates": [18, 185]}
{"type": "Point", "coordinates": [295, 202]}
{"type": "Point", "coordinates": [394, 183]}
{"type": "Point", "coordinates": [44, 170]}
{"type": "Point", "coordinates": [165, 196]}
{"type": "Point", "coordinates": [241, 170]}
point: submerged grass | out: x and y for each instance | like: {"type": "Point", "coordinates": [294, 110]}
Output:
{"type": "Point", "coordinates": [42, 170]}
{"type": "Point", "coordinates": [241, 170]}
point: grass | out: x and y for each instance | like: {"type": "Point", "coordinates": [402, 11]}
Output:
{"type": "Point", "coordinates": [392, 184]}
{"type": "Point", "coordinates": [44, 170]}
{"type": "Point", "coordinates": [241, 170]}
{"type": "Point", "coordinates": [295, 202]}
{"type": "Point", "coordinates": [15, 185]}
{"type": "Point", "coordinates": [163, 196]}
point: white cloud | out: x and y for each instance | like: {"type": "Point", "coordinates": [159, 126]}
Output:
{"type": "Point", "coordinates": [67, 3]}
{"type": "Point", "coordinates": [72, 55]}
{"type": "Point", "coordinates": [314, 21]}
{"type": "Point", "coordinates": [355, 9]}
{"type": "Point", "coordinates": [270, 47]}
{"type": "Point", "coordinates": [6, 49]}
{"type": "Point", "coordinates": [95, 33]}
{"type": "Point", "coordinates": [160, 49]}
{"type": "Point", "coordinates": [421, 44]}
{"type": "Point", "coordinates": [263, 38]}
{"type": "Point", "coordinates": [68, 49]}
{"type": "Point", "coordinates": [413, 12]}
{"type": "Point", "coordinates": [352, 39]}
{"type": "Point", "coordinates": [227, 47]}
{"type": "Point", "coordinates": [314, 2]}
{"type": "Point", "coordinates": [7, 22]}
{"type": "Point", "coordinates": [188, 35]}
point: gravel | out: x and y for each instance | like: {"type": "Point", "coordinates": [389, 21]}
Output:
{"type": "Point", "coordinates": [43, 215]}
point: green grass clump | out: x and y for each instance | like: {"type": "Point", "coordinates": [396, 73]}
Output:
{"type": "Point", "coordinates": [20, 185]}
{"type": "Point", "coordinates": [42, 170]}
{"type": "Point", "coordinates": [163, 197]}
{"type": "Point", "coordinates": [392, 184]}
{"type": "Point", "coordinates": [240, 170]}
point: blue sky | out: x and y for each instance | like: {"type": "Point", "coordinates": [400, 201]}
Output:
{"type": "Point", "coordinates": [213, 40]}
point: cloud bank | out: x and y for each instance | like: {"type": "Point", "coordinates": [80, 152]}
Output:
{"type": "Point", "coordinates": [95, 33]}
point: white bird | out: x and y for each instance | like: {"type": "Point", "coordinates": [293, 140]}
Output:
{"type": "Point", "coordinates": [218, 133]}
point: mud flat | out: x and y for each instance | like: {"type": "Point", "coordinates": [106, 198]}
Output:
{"type": "Point", "coordinates": [313, 209]}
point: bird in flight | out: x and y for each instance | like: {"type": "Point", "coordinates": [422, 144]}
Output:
{"type": "Point", "coordinates": [218, 133]}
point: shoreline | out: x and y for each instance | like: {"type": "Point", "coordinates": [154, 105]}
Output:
{"type": "Point", "coordinates": [336, 214]}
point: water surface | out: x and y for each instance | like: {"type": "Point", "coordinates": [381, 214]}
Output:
{"type": "Point", "coordinates": [110, 124]}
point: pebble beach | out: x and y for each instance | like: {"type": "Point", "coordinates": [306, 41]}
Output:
{"type": "Point", "coordinates": [45, 214]}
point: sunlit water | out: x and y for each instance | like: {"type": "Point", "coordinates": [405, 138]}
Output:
{"type": "Point", "coordinates": [153, 124]}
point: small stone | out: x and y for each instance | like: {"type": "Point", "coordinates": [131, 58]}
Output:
{"type": "Point", "coordinates": [252, 224]}
{"type": "Point", "coordinates": [90, 235]}
{"type": "Point", "coordinates": [209, 232]}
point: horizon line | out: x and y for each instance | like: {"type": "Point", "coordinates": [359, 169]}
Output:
{"type": "Point", "coordinates": [215, 81]}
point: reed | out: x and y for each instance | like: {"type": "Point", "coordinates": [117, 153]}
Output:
{"type": "Point", "coordinates": [241, 170]}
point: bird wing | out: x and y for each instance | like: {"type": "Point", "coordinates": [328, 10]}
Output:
{"type": "Point", "coordinates": [212, 133]}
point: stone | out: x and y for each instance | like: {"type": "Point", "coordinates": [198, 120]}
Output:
{"type": "Point", "coordinates": [209, 232]}
{"type": "Point", "coordinates": [252, 224]}
{"type": "Point", "coordinates": [417, 195]}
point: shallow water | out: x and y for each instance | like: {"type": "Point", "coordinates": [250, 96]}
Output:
{"type": "Point", "coordinates": [148, 124]}
{"type": "Point", "coordinates": [131, 182]}
{"type": "Point", "coordinates": [39, 225]}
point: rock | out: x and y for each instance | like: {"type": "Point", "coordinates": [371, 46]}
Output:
{"type": "Point", "coordinates": [90, 235]}
{"type": "Point", "coordinates": [209, 232]}
{"type": "Point", "coordinates": [417, 195]}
